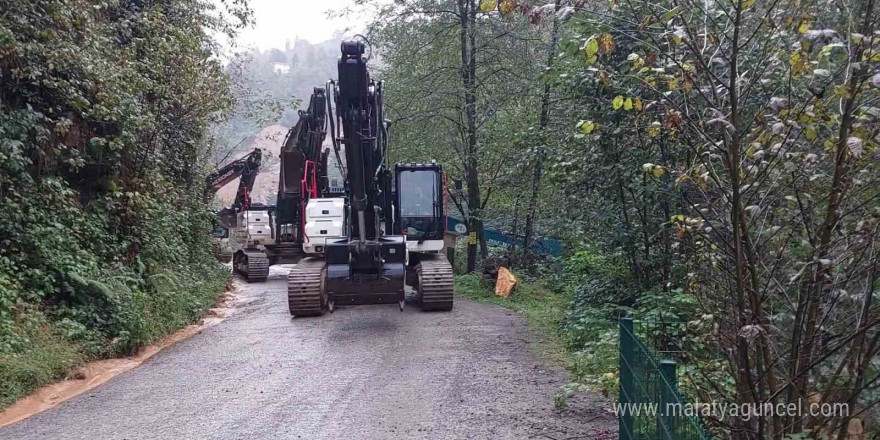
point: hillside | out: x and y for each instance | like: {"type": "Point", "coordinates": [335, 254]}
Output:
{"type": "Point", "coordinates": [104, 238]}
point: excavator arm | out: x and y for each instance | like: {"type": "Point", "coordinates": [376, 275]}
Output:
{"type": "Point", "coordinates": [360, 112]}
{"type": "Point", "coordinates": [245, 169]}
{"type": "Point", "coordinates": [303, 173]}
{"type": "Point", "coordinates": [368, 265]}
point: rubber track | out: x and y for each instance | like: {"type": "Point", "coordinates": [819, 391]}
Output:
{"type": "Point", "coordinates": [304, 288]}
{"type": "Point", "coordinates": [258, 267]}
{"type": "Point", "coordinates": [435, 282]}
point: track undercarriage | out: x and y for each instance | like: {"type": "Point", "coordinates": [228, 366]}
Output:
{"type": "Point", "coordinates": [252, 265]}
{"type": "Point", "coordinates": [430, 277]}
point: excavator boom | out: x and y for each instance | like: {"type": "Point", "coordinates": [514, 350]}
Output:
{"type": "Point", "coordinates": [245, 169]}
{"type": "Point", "coordinates": [303, 172]}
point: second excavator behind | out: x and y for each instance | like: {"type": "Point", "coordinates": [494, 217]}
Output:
{"type": "Point", "coordinates": [245, 169]}
{"type": "Point", "coordinates": [394, 222]}
{"type": "Point", "coordinates": [269, 235]}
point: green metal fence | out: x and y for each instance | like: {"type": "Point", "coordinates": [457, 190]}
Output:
{"type": "Point", "coordinates": [651, 406]}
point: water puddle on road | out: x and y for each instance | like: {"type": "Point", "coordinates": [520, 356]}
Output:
{"type": "Point", "coordinates": [96, 373]}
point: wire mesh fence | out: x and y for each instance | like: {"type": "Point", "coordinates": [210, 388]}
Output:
{"type": "Point", "coordinates": [651, 406]}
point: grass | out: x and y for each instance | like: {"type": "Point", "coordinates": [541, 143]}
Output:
{"type": "Point", "coordinates": [48, 351]}
{"type": "Point", "coordinates": [48, 357]}
{"type": "Point", "coordinates": [541, 307]}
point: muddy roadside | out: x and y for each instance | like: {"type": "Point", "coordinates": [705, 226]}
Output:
{"type": "Point", "coordinates": [95, 373]}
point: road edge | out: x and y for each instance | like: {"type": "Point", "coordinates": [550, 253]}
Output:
{"type": "Point", "coordinates": [96, 373]}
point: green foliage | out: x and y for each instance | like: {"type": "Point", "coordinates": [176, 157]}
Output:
{"type": "Point", "coordinates": [48, 355]}
{"type": "Point", "coordinates": [103, 120]}
{"type": "Point", "coordinates": [740, 196]}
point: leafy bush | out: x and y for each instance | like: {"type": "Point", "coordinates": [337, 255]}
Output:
{"type": "Point", "coordinates": [104, 113]}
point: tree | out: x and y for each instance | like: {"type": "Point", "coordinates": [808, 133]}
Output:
{"type": "Point", "coordinates": [768, 109]}
{"type": "Point", "coordinates": [105, 109]}
{"type": "Point", "coordinates": [457, 70]}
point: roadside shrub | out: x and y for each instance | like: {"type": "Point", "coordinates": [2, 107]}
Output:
{"type": "Point", "coordinates": [105, 110]}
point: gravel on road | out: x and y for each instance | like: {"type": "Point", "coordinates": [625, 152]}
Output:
{"type": "Point", "coordinates": [367, 372]}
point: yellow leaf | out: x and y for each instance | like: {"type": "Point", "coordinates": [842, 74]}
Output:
{"type": "Point", "coordinates": [654, 170]}
{"type": "Point", "coordinates": [746, 4]}
{"type": "Point", "coordinates": [810, 133]}
{"type": "Point", "coordinates": [587, 126]}
{"type": "Point", "coordinates": [654, 129]}
{"type": "Point", "coordinates": [804, 26]}
{"type": "Point", "coordinates": [591, 50]}
{"type": "Point", "coordinates": [628, 104]}
{"type": "Point", "coordinates": [592, 46]}
{"type": "Point", "coordinates": [488, 5]}
{"type": "Point", "coordinates": [606, 43]}
{"type": "Point", "coordinates": [798, 64]}
{"type": "Point", "coordinates": [637, 104]}
{"type": "Point", "coordinates": [507, 6]}
{"type": "Point", "coordinates": [672, 82]}
{"type": "Point", "coordinates": [617, 102]}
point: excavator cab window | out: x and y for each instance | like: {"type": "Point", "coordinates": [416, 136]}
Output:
{"type": "Point", "coordinates": [420, 202]}
{"type": "Point", "coordinates": [221, 232]}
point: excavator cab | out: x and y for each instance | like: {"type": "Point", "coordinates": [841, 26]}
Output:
{"type": "Point", "coordinates": [419, 205]}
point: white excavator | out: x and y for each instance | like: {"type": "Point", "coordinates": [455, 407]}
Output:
{"type": "Point", "coordinates": [305, 212]}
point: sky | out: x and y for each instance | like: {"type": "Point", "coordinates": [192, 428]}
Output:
{"type": "Point", "coordinates": [280, 20]}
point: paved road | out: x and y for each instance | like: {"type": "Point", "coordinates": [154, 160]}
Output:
{"type": "Point", "coordinates": [360, 373]}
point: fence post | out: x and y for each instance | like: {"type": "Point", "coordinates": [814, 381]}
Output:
{"type": "Point", "coordinates": [668, 385]}
{"type": "Point", "coordinates": [627, 391]}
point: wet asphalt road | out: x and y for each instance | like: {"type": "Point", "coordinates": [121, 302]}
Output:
{"type": "Point", "coordinates": [361, 373]}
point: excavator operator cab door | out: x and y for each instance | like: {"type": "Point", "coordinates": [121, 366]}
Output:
{"type": "Point", "coordinates": [418, 205]}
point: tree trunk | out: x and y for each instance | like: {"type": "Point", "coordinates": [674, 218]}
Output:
{"type": "Point", "coordinates": [514, 229]}
{"type": "Point", "coordinates": [468, 18]}
{"type": "Point", "coordinates": [532, 213]}
{"type": "Point", "coordinates": [533, 201]}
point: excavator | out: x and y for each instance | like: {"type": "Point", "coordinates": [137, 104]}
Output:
{"type": "Point", "coordinates": [245, 169]}
{"type": "Point", "coordinates": [269, 235]}
{"type": "Point", "coordinates": [393, 219]}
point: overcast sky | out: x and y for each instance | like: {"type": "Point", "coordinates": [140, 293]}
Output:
{"type": "Point", "coordinates": [280, 20]}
